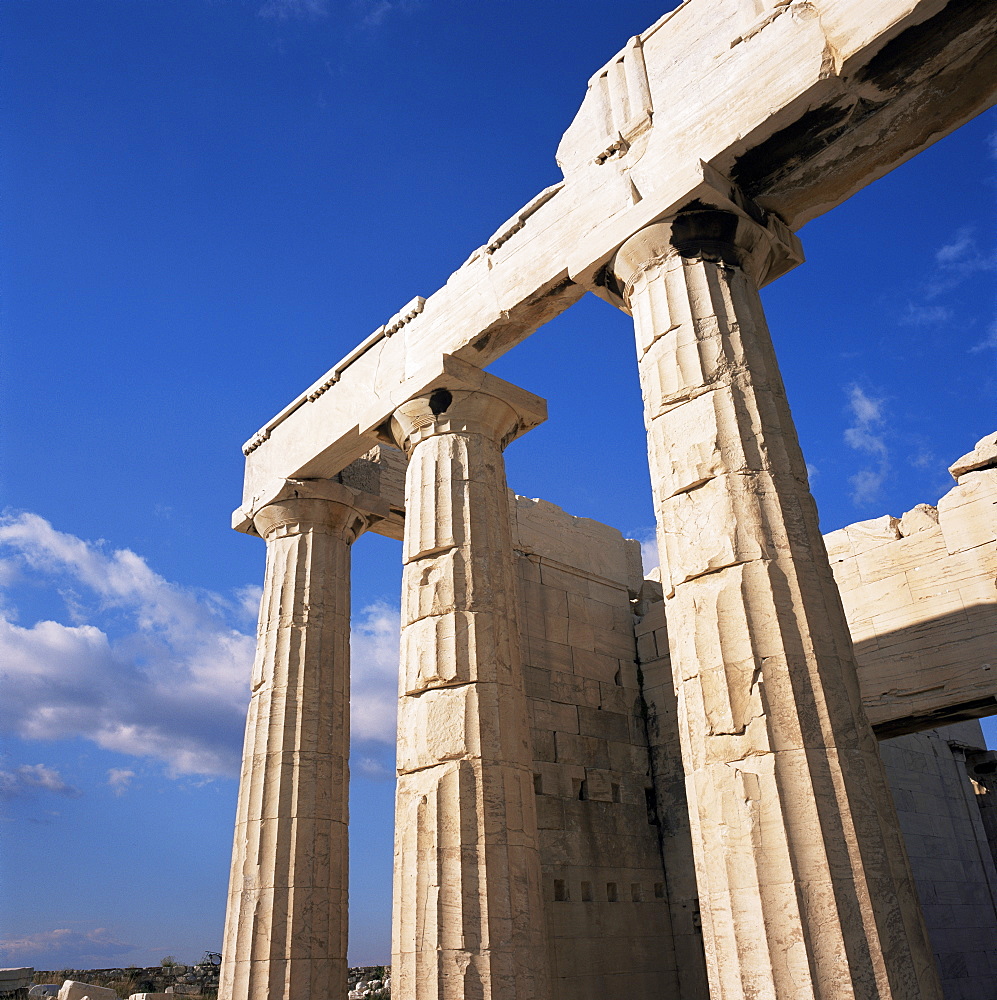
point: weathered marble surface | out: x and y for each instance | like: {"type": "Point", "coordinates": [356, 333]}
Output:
{"type": "Point", "coordinates": [799, 103]}
{"type": "Point", "coordinates": [468, 903]}
{"type": "Point", "coordinates": [920, 593]}
{"type": "Point", "coordinates": [286, 921]}
{"type": "Point", "coordinates": [793, 827]}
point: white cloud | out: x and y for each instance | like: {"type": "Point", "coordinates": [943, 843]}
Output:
{"type": "Point", "coordinates": [958, 260]}
{"type": "Point", "coordinates": [988, 343]}
{"type": "Point", "coordinates": [171, 684]}
{"type": "Point", "coordinates": [956, 253]}
{"type": "Point", "coordinates": [374, 673]}
{"type": "Point", "coordinates": [120, 779]}
{"type": "Point", "coordinates": [865, 435]}
{"type": "Point", "coordinates": [925, 315]}
{"type": "Point", "coordinates": [34, 777]}
{"type": "Point", "coordinates": [64, 949]}
{"type": "Point", "coordinates": [649, 553]}
{"type": "Point", "coordinates": [371, 768]}
{"type": "Point", "coordinates": [149, 668]}
{"type": "Point", "coordinates": [283, 10]}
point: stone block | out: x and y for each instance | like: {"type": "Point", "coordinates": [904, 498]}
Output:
{"type": "Point", "coordinates": [73, 990]}
{"type": "Point", "coordinates": [596, 665]}
{"type": "Point", "coordinates": [582, 750]}
{"type": "Point", "coordinates": [603, 724]}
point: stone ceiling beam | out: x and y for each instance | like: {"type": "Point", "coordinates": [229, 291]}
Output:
{"type": "Point", "coordinates": [800, 106]}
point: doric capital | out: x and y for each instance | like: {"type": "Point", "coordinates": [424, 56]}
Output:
{"type": "Point", "coordinates": [278, 492]}
{"type": "Point", "coordinates": [466, 400]}
{"type": "Point", "coordinates": [703, 233]}
{"type": "Point", "coordinates": [315, 505]}
{"type": "Point", "coordinates": [460, 411]}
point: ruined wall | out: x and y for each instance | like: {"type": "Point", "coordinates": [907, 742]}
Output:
{"type": "Point", "coordinates": [949, 853]}
{"type": "Point", "coordinates": [604, 884]}
{"type": "Point", "coordinates": [920, 594]}
{"type": "Point", "coordinates": [671, 805]}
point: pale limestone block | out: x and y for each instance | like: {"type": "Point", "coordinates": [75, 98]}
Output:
{"type": "Point", "coordinates": [290, 861]}
{"type": "Point", "coordinates": [626, 165]}
{"type": "Point", "coordinates": [586, 546]}
{"type": "Point", "coordinates": [967, 514]}
{"type": "Point", "coordinates": [983, 456]}
{"type": "Point", "coordinates": [468, 910]}
{"type": "Point", "coordinates": [548, 655]}
{"type": "Point", "coordinates": [73, 990]}
{"type": "Point", "coordinates": [923, 517]}
{"type": "Point", "coordinates": [776, 745]}
{"type": "Point", "coordinates": [598, 666]}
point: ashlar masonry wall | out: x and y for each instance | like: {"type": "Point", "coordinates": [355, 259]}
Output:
{"type": "Point", "coordinates": [949, 853]}
{"type": "Point", "coordinates": [920, 595]}
{"type": "Point", "coordinates": [608, 918]}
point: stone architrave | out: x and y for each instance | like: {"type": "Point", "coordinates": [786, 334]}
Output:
{"type": "Point", "coordinates": [469, 918]}
{"type": "Point", "coordinates": [286, 924]}
{"type": "Point", "coordinates": [804, 883]}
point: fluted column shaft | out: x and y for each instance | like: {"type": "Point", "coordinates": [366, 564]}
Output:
{"type": "Point", "coordinates": [468, 922]}
{"type": "Point", "coordinates": [286, 924]}
{"type": "Point", "coordinates": [804, 884]}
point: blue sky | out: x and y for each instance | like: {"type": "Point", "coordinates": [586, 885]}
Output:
{"type": "Point", "coordinates": [208, 203]}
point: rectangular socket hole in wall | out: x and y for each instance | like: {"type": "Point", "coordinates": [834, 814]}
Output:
{"type": "Point", "coordinates": [652, 807]}
{"type": "Point", "coordinates": [560, 890]}
{"type": "Point", "coordinates": [635, 894]}
{"type": "Point", "coordinates": [538, 785]}
{"type": "Point", "coordinates": [612, 892]}
{"type": "Point", "coordinates": [618, 678]}
{"type": "Point", "coordinates": [615, 789]}
{"type": "Point", "coordinates": [583, 790]}
{"type": "Point", "coordinates": [586, 892]}
{"type": "Point", "coordinates": [659, 890]}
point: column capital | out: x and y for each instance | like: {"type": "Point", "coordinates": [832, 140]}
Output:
{"type": "Point", "coordinates": [290, 506]}
{"type": "Point", "coordinates": [705, 232]}
{"type": "Point", "coordinates": [473, 402]}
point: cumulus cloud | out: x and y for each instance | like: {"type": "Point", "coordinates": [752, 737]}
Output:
{"type": "Point", "coordinates": [171, 683]}
{"type": "Point", "coordinates": [120, 779]}
{"type": "Point", "coordinates": [149, 668]}
{"type": "Point", "coordinates": [374, 673]}
{"type": "Point", "coordinates": [865, 435]}
{"type": "Point", "coordinates": [30, 778]}
{"type": "Point", "coordinates": [64, 949]}
{"type": "Point", "coordinates": [649, 552]}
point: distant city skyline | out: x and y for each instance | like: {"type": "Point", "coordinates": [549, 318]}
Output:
{"type": "Point", "coordinates": [210, 202]}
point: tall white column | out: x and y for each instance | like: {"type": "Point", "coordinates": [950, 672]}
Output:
{"type": "Point", "coordinates": [286, 924]}
{"type": "Point", "coordinates": [804, 883]}
{"type": "Point", "coordinates": [469, 911]}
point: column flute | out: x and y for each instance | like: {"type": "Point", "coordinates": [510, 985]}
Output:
{"type": "Point", "coordinates": [804, 884]}
{"type": "Point", "coordinates": [286, 923]}
{"type": "Point", "coordinates": [469, 920]}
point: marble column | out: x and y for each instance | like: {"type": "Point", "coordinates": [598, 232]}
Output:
{"type": "Point", "coordinates": [469, 918]}
{"type": "Point", "coordinates": [804, 884]}
{"type": "Point", "coordinates": [286, 924]}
